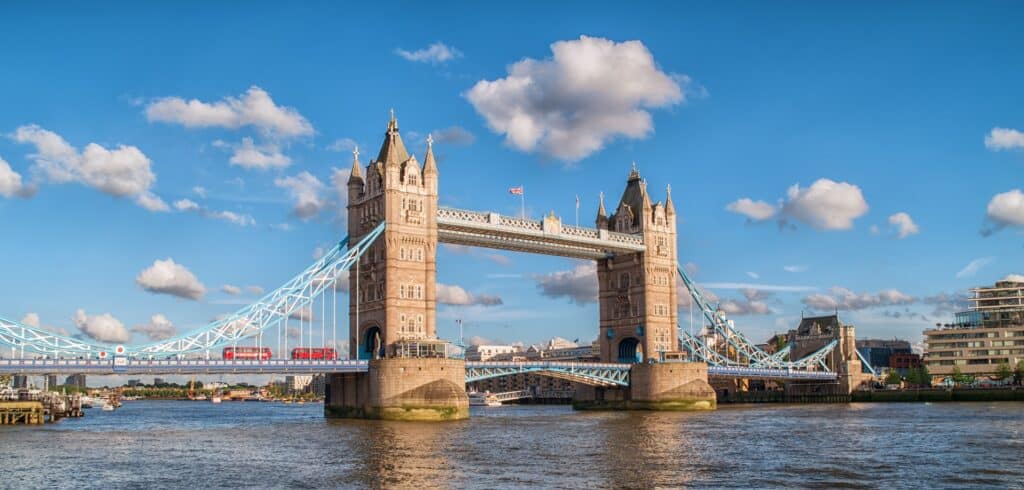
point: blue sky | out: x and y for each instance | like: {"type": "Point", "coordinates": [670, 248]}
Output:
{"type": "Point", "coordinates": [913, 108]}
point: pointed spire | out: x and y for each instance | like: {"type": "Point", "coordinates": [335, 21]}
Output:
{"type": "Point", "coordinates": [600, 206]}
{"type": "Point", "coordinates": [429, 165]}
{"type": "Point", "coordinates": [392, 151]}
{"type": "Point", "coordinates": [669, 208]}
{"type": "Point", "coordinates": [357, 168]}
{"type": "Point", "coordinates": [634, 174]}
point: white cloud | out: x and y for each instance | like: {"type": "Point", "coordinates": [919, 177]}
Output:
{"type": "Point", "coordinates": [874, 229]}
{"type": "Point", "coordinates": [579, 284]}
{"type": "Point", "coordinates": [199, 191]}
{"type": "Point", "coordinates": [456, 296]}
{"type": "Point", "coordinates": [826, 204]}
{"type": "Point", "coordinates": [31, 319]}
{"type": "Point", "coordinates": [10, 182]}
{"type": "Point", "coordinates": [253, 108]}
{"type": "Point", "coordinates": [569, 106]}
{"type": "Point", "coordinates": [249, 155]}
{"type": "Point", "coordinates": [168, 277]}
{"type": "Point", "coordinates": [342, 144]}
{"type": "Point", "coordinates": [437, 52]}
{"type": "Point", "coordinates": [123, 172]}
{"type": "Point", "coordinates": [1009, 277]}
{"type": "Point", "coordinates": [844, 299]}
{"type": "Point", "coordinates": [158, 328]}
{"type": "Point", "coordinates": [760, 287]}
{"type": "Point", "coordinates": [304, 313]}
{"type": "Point", "coordinates": [794, 268]}
{"type": "Point", "coordinates": [1005, 209]}
{"type": "Point", "coordinates": [974, 266]}
{"type": "Point", "coordinates": [104, 328]}
{"type": "Point", "coordinates": [1004, 139]}
{"type": "Point", "coordinates": [307, 192]}
{"type": "Point", "coordinates": [905, 226]}
{"type": "Point", "coordinates": [231, 289]}
{"type": "Point", "coordinates": [188, 205]}
{"type": "Point", "coordinates": [753, 210]}
{"type": "Point", "coordinates": [753, 275]}
{"type": "Point", "coordinates": [454, 135]}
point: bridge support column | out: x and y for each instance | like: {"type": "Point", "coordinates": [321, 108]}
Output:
{"type": "Point", "coordinates": [660, 386]}
{"type": "Point", "coordinates": [423, 389]}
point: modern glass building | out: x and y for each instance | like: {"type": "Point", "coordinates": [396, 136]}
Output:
{"type": "Point", "coordinates": [990, 332]}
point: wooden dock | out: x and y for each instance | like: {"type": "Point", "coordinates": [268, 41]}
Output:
{"type": "Point", "coordinates": [21, 413]}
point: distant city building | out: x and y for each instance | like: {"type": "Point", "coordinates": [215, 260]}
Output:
{"type": "Point", "coordinates": [297, 383]}
{"type": "Point", "coordinates": [76, 380]}
{"type": "Point", "coordinates": [487, 352]}
{"type": "Point", "coordinates": [318, 386]}
{"type": "Point", "coordinates": [158, 381]}
{"type": "Point", "coordinates": [134, 382]}
{"type": "Point", "coordinates": [51, 381]}
{"type": "Point", "coordinates": [879, 351]}
{"type": "Point", "coordinates": [989, 333]}
{"type": "Point", "coordinates": [19, 382]}
{"type": "Point", "coordinates": [215, 385]}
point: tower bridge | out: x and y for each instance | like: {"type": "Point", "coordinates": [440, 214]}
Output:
{"type": "Point", "coordinates": [397, 366]}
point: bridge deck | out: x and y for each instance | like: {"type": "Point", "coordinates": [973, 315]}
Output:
{"type": "Point", "coordinates": [547, 236]}
{"type": "Point", "coordinates": [607, 374]}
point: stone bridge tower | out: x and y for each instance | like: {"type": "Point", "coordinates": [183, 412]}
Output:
{"type": "Point", "coordinates": [637, 292]}
{"type": "Point", "coordinates": [391, 297]}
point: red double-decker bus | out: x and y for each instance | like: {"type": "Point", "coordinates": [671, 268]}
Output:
{"type": "Point", "coordinates": [247, 353]}
{"type": "Point", "coordinates": [315, 353]}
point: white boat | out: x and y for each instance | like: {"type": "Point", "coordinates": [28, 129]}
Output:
{"type": "Point", "coordinates": [483, 400]}
{"type": "Point", "coordinates": [215, 399]}
{"type": "Point", "coordinates": [89, 402]}
{"type": "Point", "coordinates": [108, 407]}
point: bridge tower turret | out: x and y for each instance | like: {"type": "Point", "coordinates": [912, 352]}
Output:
{"type": "Point", "coordinates": [637, 292]}
{"type": "Point", "coordinates": [392, 292]}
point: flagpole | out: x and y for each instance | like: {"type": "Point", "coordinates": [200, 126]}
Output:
{"type": "Point", "coordinates": [577, 210]}
{"type": "Point", "coordinates": [522, 202]}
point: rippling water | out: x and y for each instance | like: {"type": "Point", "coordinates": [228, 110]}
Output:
{"type": "Point", "coordinates": [172, 444]}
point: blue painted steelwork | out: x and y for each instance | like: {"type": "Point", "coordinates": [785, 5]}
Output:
{"type": "Point", "coordinates": [597, 373]}
{"type": "Point", "coordinates": [866, 363]}
{"type": "Point", "coordinates": [176, 366]}
{"type": "Point", "coordinates": [767, 373]}
{"type": "Point", "coordinates": [272, 310]}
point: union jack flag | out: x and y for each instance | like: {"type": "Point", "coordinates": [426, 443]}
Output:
{"type": "Point", "coordinates": [516, 191]}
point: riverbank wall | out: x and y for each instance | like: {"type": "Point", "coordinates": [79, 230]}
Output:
{"type": "Point", "coordinates": [942, 395]}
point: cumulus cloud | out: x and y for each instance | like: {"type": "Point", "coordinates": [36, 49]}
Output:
{"type": "Point", "coordinates": [168, 277]}
{"type": "Point", "coordinates": [342, 144]}
{"type": "Point", "coordinates": [904, 225]}
{"type": "Point", "coordinates": [437, 52]}
{"type": "Point", "coordinates": [31, 319]}
{"type": "Point", "coordinates": [456, 296]}
{"type": "Point", "coordinates": [794, 268]}
{"type": "Point", "coordinates": [231, 289]}
{"type": "Point", "coordinates": [199, 191]}
{"type": "Point", "coordinates": [339, 182]}
{"type": "Point", "coordinates": [844, 299]}
{"type": "Point", "coordinates": [1004, 139]}
{"type": "Point", "coordinates": [158, 328]}
{"type": "Point", "coordinates": [190, 206]}
{"type": "Point", "coordinates": [591, 91]}
{"type": "Point", "coordinates": [1005, 209]}
{"type": "Point", "coordinates": [825, 205]}
{"type": "Point", "coordinates": [946, 303]}
{"type": "Point", "coordinates": [974, 266]}
{"type": "Point", "coordinates": [250, 155]}
{"type": "Point", "coordinates": [454, 135]}
{"type": "Point", "coordinates": [257, 290]}
{"type": "Point", "coordinates": [304, 313]}
{"type": "Point", "coordinates": [753, 210]}
{"type": "Point", "coordinates": [307, 192]}
{"type": "Point", "coordinates": [122, 172]}
{"type": "Point", "coordinates": [254, 108]}
{"type": "Point", "coordinates": [11, 184]}
{"type": "Point", "coordinates": [578, 284]}
{"type": "Point", "coordinates": [104, 328]}
{"type": "Point", "coordinates": [1014, 278]}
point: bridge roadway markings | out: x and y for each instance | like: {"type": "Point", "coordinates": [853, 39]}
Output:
{"type": "Point", "coordinates": [607, 374]}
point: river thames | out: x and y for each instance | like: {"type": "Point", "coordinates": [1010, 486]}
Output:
{"type": "Point", "coordinates": [163, 444]}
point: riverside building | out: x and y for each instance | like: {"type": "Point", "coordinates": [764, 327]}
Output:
{"type": "Point", "coordinates": [989, 333]}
